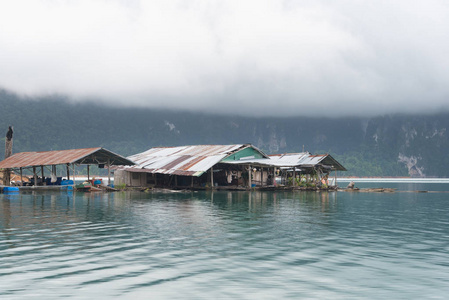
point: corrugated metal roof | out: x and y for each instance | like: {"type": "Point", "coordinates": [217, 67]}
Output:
{"type": "Point", "coordinates": [184, 160]}
{"type": "Point", "coordinates": [79, 156]}
{"type": "Point", "coordinates": [287, 160]}
{"type": "Point", "coordinates": [277, 160]}
{"type": "Point", "coordinates": [195, 160]}
{"type": "Point", "coordinates": [303, 159]}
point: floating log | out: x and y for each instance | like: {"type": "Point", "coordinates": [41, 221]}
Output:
{"type": "Point", "coordinates": [370, 190]}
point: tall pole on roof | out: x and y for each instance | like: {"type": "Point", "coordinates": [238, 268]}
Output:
{"type": "Point", "coordinates": [9, 142]}
{"type": "Point", "coordinates": [8, 153]}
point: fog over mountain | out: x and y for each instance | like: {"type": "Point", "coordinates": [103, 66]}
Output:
{"type": "Point", "coordinates": [249, 58]}
{"type": "Point", "coordinates": [390, 145]}
{"type": "Point", "coordinates": [365, 81]}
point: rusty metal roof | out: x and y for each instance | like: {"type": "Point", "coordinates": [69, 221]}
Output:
{"type": "Point", "coordinates": [184, 160]}
{"type": "Point", "coordinates": [77, 156]}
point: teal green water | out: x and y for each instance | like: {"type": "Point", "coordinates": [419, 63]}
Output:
{"type": "Point", "coordinates": [227, 245]}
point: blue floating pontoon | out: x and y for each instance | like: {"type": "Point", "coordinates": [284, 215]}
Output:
{"type": "Point", "coordinates": [10, 189]}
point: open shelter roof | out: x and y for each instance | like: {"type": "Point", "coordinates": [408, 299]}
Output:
{"type": "Point", "coordinates": [84, 156]}
{"type": "Point", "coordinates": [302, 160]}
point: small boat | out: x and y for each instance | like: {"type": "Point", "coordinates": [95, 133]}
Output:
{"type": "Point", "coordinates": [83, 187]}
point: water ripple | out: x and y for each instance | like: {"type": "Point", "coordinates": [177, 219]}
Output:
{"type": "Point", "coordinates": [224, 245]}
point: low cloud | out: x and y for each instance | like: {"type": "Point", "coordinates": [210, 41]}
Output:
{"type": "Point", "coordinates": [268, 58]}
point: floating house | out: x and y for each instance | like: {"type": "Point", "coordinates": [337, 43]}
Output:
{"type": "Point", "coordinates": [189, 166]}
{"type": "Point", "coordinates": [42, 164]}
{"type": "Point", "coordinates": [294, 169]}
{"type": "Point", "coordinates": [239, 166]}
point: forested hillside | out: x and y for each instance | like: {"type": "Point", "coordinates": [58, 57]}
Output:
{"type": "Point", "coordinates": [396, 145]}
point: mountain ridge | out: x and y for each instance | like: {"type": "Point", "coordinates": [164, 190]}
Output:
{"type": "Point", "coordinates": [390, 145]}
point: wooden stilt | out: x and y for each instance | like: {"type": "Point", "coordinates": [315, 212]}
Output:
{"type": "Point", "coordinates": [42, 174]}
{"type": "Point", "coordinates": [109, 172]}
{"type": "Point", "coordinates": [191, 182]}
{"type": "Point", "coordinates": [249, 177]}
{"type": "Point", "coordinates": [53, 174]}
{"type": "Point", "coordinates": [34, 175]}
{"type": "Point", "coordinates": [212, 177]}
{"type": "Point", "coordinates": [21, 177]}
{"type": "Point", "coordinates": [68, 171]}
{"type": "Point", "coordinates": [261, 176]}
{"type": "Point", "coordinates": [88, 171]}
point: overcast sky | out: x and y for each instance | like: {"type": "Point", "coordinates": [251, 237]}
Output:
{"type": "Point", "coordinates": [256, 58]}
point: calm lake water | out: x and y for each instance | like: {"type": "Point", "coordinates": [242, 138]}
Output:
{"type": "Point", "coordinates": [227, 245]}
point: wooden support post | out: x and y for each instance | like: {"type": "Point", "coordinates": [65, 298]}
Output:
{"type": "Point", "coordinates": [176, 180]}
{"type": "Point", "coordinates": [335, 183]}
{"type": "Point", "coordinates": [249, 177]}
{"type": "Point", "coordinates": [191, 182]}
{"type": "Point", "coordinates": [212, 177]}
{"type": "Point", "coordinates": [54, 176]}
{"type": "Point", "coordinates": [155, 179]}
{"type": "Point", "coordinates": [88, 171]}
{"type": "Point", "coordinates": [42, 174]}
{"type": "Point", "coordinates": [68, 171]}
{"type": "Point", "coordinates": [294, 176]}
{"type": "Point", "coordinates": [109, 172]}
{"type": "Point", "coordinates": [21, 177]}
{"type": "Point", "coordinates": [261, 176]}
{"type": "Point", "coordinates": [34, 176]}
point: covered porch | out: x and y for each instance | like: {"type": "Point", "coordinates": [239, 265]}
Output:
{"type": "Point", "coordinates": [46, 167]}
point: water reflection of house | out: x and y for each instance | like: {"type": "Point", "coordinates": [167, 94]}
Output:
{"type": "Point", "coordinates": [238, 166]}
